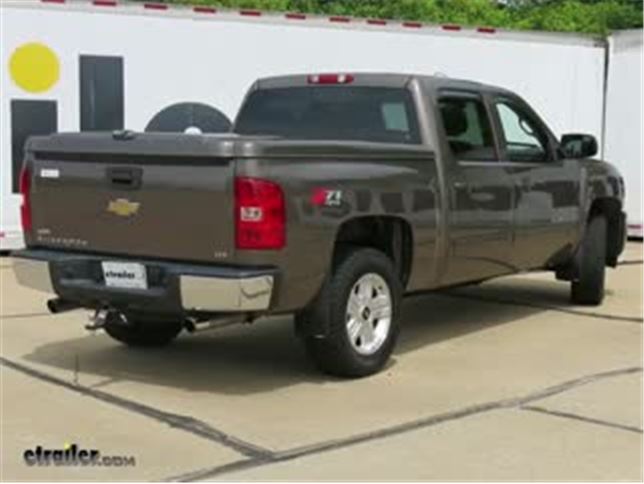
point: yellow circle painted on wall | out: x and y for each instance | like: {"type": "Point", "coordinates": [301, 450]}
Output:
{"type": "Point", "coordinates": [34, 67]}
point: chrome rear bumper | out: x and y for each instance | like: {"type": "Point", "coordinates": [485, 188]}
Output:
{"type": "Point", "coordinates": [33, 274]}
{"type": "Point", "coordinates": [173, 287]}
{"type": "Point", "coordinates": [218, 294]}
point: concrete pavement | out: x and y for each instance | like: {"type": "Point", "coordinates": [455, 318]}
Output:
{"type": "Point", "coordinates": [505, 380]}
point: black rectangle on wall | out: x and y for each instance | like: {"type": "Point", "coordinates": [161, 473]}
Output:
{"type": "Point", "coordinates": [101, 93]}
{"type": "Point", "coordinates": [28, 118]}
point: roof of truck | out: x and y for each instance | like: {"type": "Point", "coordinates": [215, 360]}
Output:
{"type": "Point", "coordinates": [374, 79]}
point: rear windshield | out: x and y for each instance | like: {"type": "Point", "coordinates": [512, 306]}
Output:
{"type": "Point", "coordinates": [331, 113]}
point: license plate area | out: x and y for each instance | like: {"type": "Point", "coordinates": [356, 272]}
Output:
{"type": "Point", "coordinates": [124, 275]}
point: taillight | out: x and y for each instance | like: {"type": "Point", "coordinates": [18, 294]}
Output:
{"type": "Point", "coordinates": [330, 79]}
{"type": "Point", "coordinates": [25, 191]}
{"type": "Point", "coordinates": [260, 214]}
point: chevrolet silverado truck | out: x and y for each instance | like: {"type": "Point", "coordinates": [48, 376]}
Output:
{"type": "Point", "coordinates": [333, 196]}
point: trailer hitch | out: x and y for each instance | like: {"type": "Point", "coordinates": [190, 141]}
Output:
{"type": "Point", "coordinates": [103, 316]}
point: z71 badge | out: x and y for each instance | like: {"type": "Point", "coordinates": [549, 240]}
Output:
{"type": "Point", "coordinates": [323, 197]}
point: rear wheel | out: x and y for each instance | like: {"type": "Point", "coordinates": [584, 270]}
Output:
{"type": "Point", "coordinates": [359, 306]}
{"type": "Point", "coordinates": [590, 264]}
{"type": "Point", "coordinates": [141, 332]}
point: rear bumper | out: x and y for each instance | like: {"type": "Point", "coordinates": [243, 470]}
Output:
{"type": "Point", "coordinates": [11, 239]}
{"type": "Point", "coordinates": [173, 287]}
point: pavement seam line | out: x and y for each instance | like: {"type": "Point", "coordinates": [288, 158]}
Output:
{"type": "Point", "coordinates": [177, 421]}
{"type": "Point", "coordinates": [581, 418]}
{"type": "Point", "coordinates": [405, 427]}
{"type": "Point", "coordinates": [494, 300]}
{"type": "Point", "coordinates": [26, 315]}
{"type": "Point", "coordinates": [235, 466]}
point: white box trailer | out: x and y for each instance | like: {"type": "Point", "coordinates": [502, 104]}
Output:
{"type": "Point", "coordinates": [105, 65]}
{"type": "Point", "coordinates": [623, 132]}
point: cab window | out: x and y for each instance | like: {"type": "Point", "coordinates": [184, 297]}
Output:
{"type": "Point", "coordinates": [524, 138]}
{"type": "Point", "coordinates": [359, 113]}
{"type": "Point", "coordinates": [468, 129]}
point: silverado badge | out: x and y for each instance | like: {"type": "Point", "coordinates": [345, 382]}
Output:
{"type": "Point", "coordinates": [123, 207]}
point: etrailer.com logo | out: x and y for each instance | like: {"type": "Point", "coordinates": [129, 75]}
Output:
{"type": "Point", "coordinates": [73, 455]}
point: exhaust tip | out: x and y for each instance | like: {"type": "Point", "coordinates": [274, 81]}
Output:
{"type": "Point", "coordinates": [52, 306]}
{"type": "Point", "coordinates": [58, 305]}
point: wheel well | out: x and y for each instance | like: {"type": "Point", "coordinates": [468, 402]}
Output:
{"type": "Point", "coordinates": [390, 235]}
{"type": "Point", "coordinates": [611, 208]}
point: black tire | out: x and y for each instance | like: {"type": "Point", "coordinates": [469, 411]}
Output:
{"type": "Point", "coordinates": [587, 287]}
{"type": "Point", "coordinates": [142, 332]}
{"type": "Point", "coordinates": [334, 353]}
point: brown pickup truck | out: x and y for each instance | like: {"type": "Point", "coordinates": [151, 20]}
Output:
{"type": "Point", "coordinates": [334, 196]}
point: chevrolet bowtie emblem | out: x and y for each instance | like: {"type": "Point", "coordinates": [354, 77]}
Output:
{"type": "Point", "coordinates": [123, 207]}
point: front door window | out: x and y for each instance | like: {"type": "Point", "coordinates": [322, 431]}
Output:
{"type": "Point", "coordinates": [524, 138]}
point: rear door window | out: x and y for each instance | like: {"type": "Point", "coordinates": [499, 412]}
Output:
{"type": "Point", "coordinates": [468, 128]}
{"type": "Point", "coordinates": [376, 114]}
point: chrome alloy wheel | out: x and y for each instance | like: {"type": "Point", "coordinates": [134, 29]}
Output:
{"type": "Point", "coordinates": [369, 310]}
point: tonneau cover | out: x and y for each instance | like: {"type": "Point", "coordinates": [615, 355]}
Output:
{"type": "Point", "coordinates": [227, 145]}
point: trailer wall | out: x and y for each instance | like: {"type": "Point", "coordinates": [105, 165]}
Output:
{"type": "Point", "coordinates": [130, 67]}
{"type": "Point", "coordinates": [623, 136]}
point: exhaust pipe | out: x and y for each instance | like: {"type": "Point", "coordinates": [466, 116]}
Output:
{"type": "Point", "coordinates": [58, 305]}
{"type": "Point", "coordinates": [196, 326]}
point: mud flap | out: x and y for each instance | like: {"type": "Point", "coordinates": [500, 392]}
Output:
{"type": "Point", "coordinates": [616, 239]}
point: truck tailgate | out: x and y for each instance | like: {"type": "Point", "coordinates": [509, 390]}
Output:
{"type": "Point", "coordinates": [176, 207]}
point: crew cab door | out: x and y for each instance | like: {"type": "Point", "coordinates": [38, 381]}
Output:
{"type": "Point", "coordinates": [547, 210]}
{"type": "Point", "coordinates": [480, 191]}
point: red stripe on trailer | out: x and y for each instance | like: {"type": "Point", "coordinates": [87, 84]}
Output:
{"type": "Point", "coordinates": [204, 10]}
{"type": "Point", "coordinates": [291, 16]}
{"type": "Point", "coordinates": [155, 6]}
{"type": "Point", "coordinates": [2, 235]}
{"type": "Point", "coordinates": [634, 226]}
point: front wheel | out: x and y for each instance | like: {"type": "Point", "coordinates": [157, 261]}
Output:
{"type": "Point", "coordinates": [590, 264]}
{"type": "Point", "coordinates": [359, 304]}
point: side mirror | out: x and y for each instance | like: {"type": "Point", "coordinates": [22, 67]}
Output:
{"type": "Point", "coordinates": [578, 145]}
